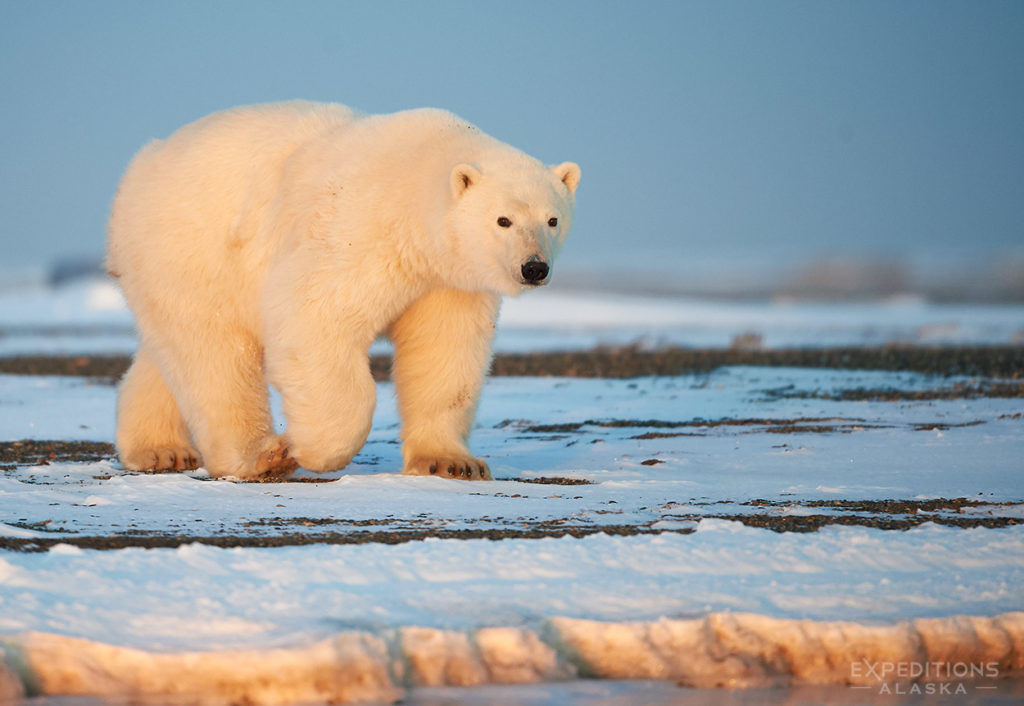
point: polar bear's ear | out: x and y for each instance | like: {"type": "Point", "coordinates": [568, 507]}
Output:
{"type": "Point", "coordinates": [463, 176]}
{"type": "Point", "coordinates": [569, 174]}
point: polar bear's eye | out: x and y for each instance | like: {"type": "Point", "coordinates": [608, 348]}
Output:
{"type": "Point", "coordinates": [552, 222]}
{"type": "Point", "coordinates": [504, 222]}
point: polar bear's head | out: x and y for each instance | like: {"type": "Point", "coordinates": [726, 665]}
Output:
{"type": "Point", "coordinates": [508, 223]}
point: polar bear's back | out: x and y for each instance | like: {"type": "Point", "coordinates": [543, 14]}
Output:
{"type": "Point", "coordinates": [194, 196]}
{"type": "Point", "coordinates": [427, 135]}
{"type": "Point", "coordinates": [231, 146]}
{"type": "Point", "coordinates": [188, 207]}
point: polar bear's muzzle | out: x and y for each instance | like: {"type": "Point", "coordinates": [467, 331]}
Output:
{"type": "Point", "coordinates": [535, 271]}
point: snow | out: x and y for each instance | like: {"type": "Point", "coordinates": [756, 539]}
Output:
{"type": "Point", "coordinates": [748, 461]}
{"type": "Point", "coordinates": [555, 319]}
{"type": "Point", "coordinates": [365, 584]}
{"type": "Point", "coordinates": [201, 597]}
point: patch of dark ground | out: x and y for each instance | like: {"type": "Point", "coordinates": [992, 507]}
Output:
{"type": "Point", "coordinates": [171, 541]}
{"type": "Point", "coordinates": [551, 480]}
{"type": "Point", "coordinates": [892, 507]}
{"type": "Point", "coordinates": [772, 426]}
{"type": "Point", "coordinates": [552, 528]}
{"type": "Point", "coordinates": [960, 391]}
{"type": "Point", "coordinates": [812, 523]}
{"type": "Point", "coordinates": [794, 425]}
{"type": "Point", "coordinates": [631, 361]}
{"type": "Point", "coordinates": [41, 453]}
{"type": "Point", "coordinates": [104, 368]}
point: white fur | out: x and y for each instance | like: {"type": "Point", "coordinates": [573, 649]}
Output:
{"type": "Point", "coordinates": [274, 243]}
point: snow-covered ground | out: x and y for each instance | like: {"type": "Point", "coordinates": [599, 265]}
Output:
{"type": "Point", "coordinates": [716, 443]}
{"type": "Point", "coordinates": [721, 529]}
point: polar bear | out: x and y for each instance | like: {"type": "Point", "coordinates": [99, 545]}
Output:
{"type": "Point", "coordinates": [272, 244]}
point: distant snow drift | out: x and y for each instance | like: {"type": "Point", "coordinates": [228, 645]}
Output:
{"type": "Point", "coordinates": [721, 650]}
{"type": "Point", "coordinates": [89, 316]}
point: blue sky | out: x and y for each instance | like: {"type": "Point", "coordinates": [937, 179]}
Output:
{"type": "Point", "coordinates": [761, 131]}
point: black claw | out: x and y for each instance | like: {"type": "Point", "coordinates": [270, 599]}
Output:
{"type": "Point", "coordinates": [451, 469]}
{"type": "Point", "coordinates": [433, 469]}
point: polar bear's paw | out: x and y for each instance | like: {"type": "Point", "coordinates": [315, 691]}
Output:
{"type": "Point", "coordinates": [457, 467]}
{"type": "Point", "coordinates": [273, 461]}
{"type": "Point", "coordinates": [267, 461]}
{"type": "Point", "coordinates": [163, 458]}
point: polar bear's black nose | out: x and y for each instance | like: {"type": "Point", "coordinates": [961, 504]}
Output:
{"type": "Point", "coordinates": [534, 271]}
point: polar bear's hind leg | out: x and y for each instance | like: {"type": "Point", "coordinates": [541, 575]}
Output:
{"type": "Point", "coordinates": [151, 433]}
{"type": "Point", "coordinates": [211, 391]}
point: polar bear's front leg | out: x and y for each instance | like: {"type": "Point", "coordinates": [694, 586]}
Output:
{"type": "Point", "coordinates": [328, 399]}
{"type": "Point", "coordinates": [327, 393]}
{"type": "Point", "coordinates": [442, 352]}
